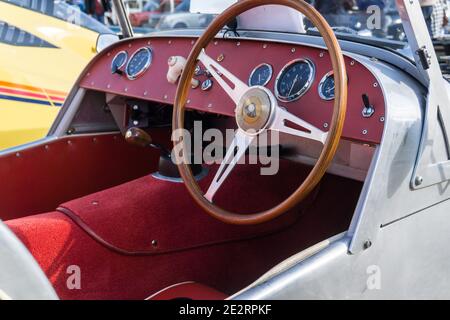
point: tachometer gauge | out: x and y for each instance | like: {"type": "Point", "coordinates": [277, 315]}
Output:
{"type": "Point", "coordinates": [139, 62]}
{"type": "Point", "coordinates": [119, 61]}
{"type": "Point", "coordinates": [261, 75]}
{"type": "Point", "coordinates": [294, 80]}
{"type": "Point", "coordinates": [326, 86]}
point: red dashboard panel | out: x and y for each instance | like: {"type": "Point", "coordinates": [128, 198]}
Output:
{"type": "Point", "coordinates": [240, 58]}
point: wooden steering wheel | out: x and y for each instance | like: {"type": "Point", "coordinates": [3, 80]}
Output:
{"type": "Point", "coordinates": [269, 115]}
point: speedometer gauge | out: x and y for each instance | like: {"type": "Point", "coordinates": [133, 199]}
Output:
{"type": "Point", "coordinates": [294, 80]}
{"type": "Point", "coordinates": [139, 62]}
{"type": "Point", "coordinates": [261, 75]}
{"type": "Point", "coordinates": [326, 86]}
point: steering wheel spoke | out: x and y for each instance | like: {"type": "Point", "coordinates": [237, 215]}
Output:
{"type": "Point", "coordinates": [288, 123]}
{"type": "Point", "coordinates": [218, 72]}
{"type": "Point", "coordinates": [235, 152]}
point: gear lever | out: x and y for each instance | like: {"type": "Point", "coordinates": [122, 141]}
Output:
{"type": "Point", "coordinates": [167, 168]}
{"type": "Point", "coordinates": [140, 138]}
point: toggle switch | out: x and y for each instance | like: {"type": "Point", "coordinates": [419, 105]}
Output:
{"type": "Point", "coordinates": [368, 109]}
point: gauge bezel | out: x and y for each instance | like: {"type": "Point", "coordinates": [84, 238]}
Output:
{"type": "Point", "coordinates": [124, 62]}
{"type": "Point", "coordinates": [322, 82]}
{"type": "Point", "coordinates": [305, 88]}
{"type": "Point", "coordinates": [255, 69]}
{"type": "Point", "coordinates": [146, 66]}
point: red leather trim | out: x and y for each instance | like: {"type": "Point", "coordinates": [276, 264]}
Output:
{"type": "Point", "coordinates": [188, 290]}
{"type": "Point", "coordinates": [85, 227]}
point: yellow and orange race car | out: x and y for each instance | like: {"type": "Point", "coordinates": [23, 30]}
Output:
{"type": "Point", "coordinates": [43, 46]}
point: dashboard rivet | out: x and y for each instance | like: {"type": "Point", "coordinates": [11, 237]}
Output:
{"type": "Point", "coordinates": [192, 42]}
{"type": "Point", "coordinates": [126, 90]}
{"type": "Point", "coordinates": [221, 57]}
{"type": "Point", "coordinates": [375, 85]}
{"type": "Point", "coordinates": [135, 122]}
{"type": "Point", "coordinates": [149, 43]}
{"type": "Point", "coordinates": [94, 203]}
{"type": "Point", "coordinates": [135, 107]}
{"type": "Point", "coordinates": [321, 54]}
{"type": "Point", "coordinates": [145, 93]}
{"type": "Point", "coordinates": [188, 101]}
{"type": "Point", "coordinates": [381, 119]}
{"type": "Point", "coordinates": [265, 46]}
{"type": "Point", "coordinates": [216, 43]}
{"type": "Point", "coordinates": [18, 155]}
{"type": "Point", "coordinates": [88, 74]}
{"type": "Point", "coordinates": [108, 86]}
{"type": "Point", "coordinates": [46, 147]}
{"type": "Point", "coordinates": [293, 50]}
{"type": "Point", "coordinates": [154, 243]}
{"type": "Point", "coordinates": [92, 83]}
{"type": "Point", "coordinates": [165, 97]}
{"type": "Point", "coordinates": [210, 105]}
{"type": "Point", "coordinates": [69, 142]}
{"type": "Point", "coordinates": [352, 63]}
{"type": "Point", "coordinates": [109, 54]}
{"type": "Point", "coordinates": [325, 125]}
{"type": "Point", "coordinates": [169, 42]}
{"type": "Point", "coordinates": [238, 43]}
{"type": "Point", "coordinates": [418, 181]}
{"type": "Point", "coordinates": [365, 132]}
{"type": "Point", "coordinates": [129, 46]}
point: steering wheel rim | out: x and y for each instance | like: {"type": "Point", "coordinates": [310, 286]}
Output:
{"type": "Point", "coordinates": [332, 137]}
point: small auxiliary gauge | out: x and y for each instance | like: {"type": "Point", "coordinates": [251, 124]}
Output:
{"type": "Point", "coordinates": [118, 62]}
{"type": "Point", "coordinates": [261, 75]}
{"type": "Point", "coordinates": [327, 86]}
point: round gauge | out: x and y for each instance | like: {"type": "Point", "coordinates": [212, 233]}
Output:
{"type": "Point", "coordinates": [326, 86]}
{"type": "Point", "coordinates": [119, 61]}
{"type": "Point", "coordinates": [294, 80]}
{"type": "Point", "coordinates": [139, 62]}
{"type": "Point", "coordinates": [261, 75]}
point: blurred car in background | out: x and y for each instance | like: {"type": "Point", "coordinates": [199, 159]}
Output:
{"type": "Point", "coordinates": [151, 9]}
{"type": "Point", "coordinates": [43, 46]}
{"type": "Point", "coordinates": [184, 20]}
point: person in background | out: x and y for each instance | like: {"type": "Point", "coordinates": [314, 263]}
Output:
{"type": "Point", "coordinates": [97, 9]}
{"type": "Point", "coordinates": [183, 6]}
{"type": "Point", "coordinates": [332, 9]}
{"type": "Point", "coordinates": [364, 4]}
{"type": "Point", "coordinates": [439, 19]}
{"type": "Point", "coordinates": [427, 10]}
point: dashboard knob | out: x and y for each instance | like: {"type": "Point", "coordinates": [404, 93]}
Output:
{"type": "Point", "coordinates": [176, 65]}
{"type": "Point", "coordinates": [138, 137]}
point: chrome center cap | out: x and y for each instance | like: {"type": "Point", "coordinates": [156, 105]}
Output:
{"type": "Point", "coordinates": [254, 110]}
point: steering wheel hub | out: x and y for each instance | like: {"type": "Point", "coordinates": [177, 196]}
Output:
{"type": "Point", "coordinates": [254, 110]}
